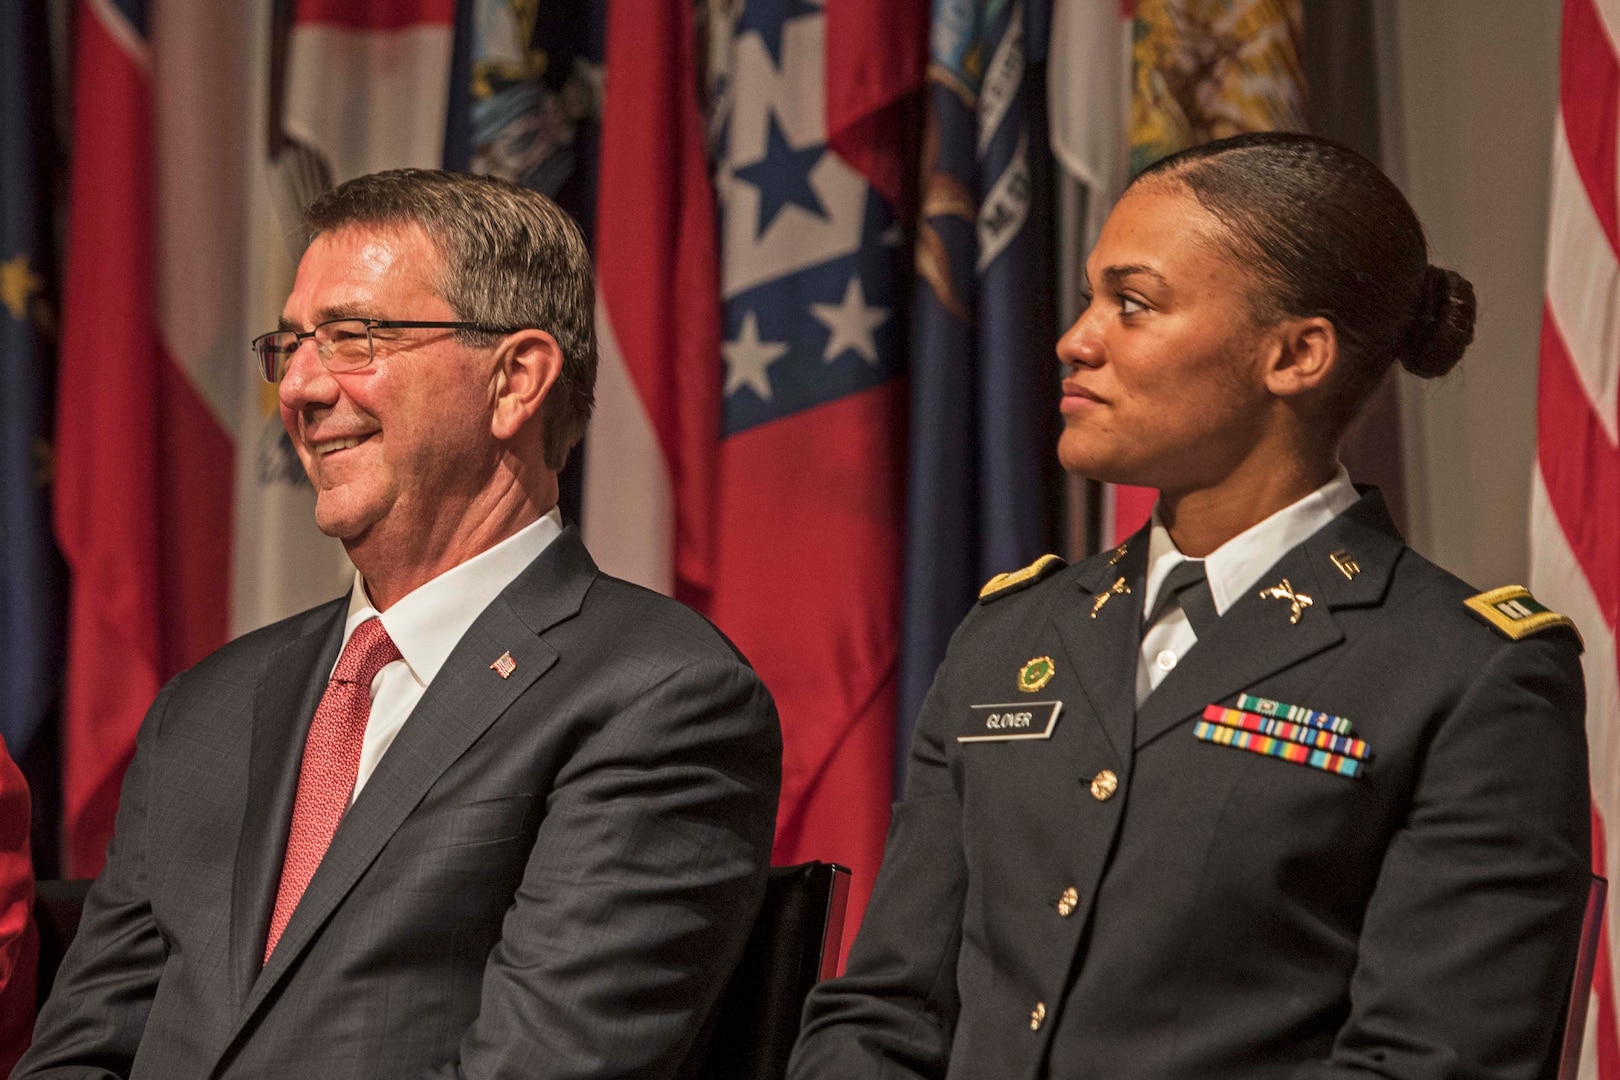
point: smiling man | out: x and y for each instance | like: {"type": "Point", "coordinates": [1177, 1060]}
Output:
{"type": "Point", "coordinates": [491, 814]}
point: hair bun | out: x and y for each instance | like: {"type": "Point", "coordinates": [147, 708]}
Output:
{"type": "Point", "coordinates": [1442, 325]}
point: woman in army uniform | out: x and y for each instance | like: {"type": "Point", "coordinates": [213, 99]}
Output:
{"type": "Point", "coordinates": [1263, 792]}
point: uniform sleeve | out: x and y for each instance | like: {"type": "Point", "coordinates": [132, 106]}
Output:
{"type": "Point", "coordinates": [19, 944]}
{"type": "Point", "coordinates": [641, 889]}
{"type": "Point", "coordinates": [893, 1013]}
{"type": "Point", "coordinates": [1469, 940]}
{"type": "Point", "coordinates": [92, 1024]}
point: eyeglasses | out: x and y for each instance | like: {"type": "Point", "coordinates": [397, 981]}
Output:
{"type": "Point", "coordinates": [344, 344]}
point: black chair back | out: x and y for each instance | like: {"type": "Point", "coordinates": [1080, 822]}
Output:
{"type": "Point", "coordinates": [793, 946]}
{"type": "Point", "coordinates": [57, 907]}
{"type": "Point", "coordinates": [1568, 1047]}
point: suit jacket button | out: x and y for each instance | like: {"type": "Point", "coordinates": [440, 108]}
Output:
{"type": "Point", "coordinates": [1068, 901]}
{"type": "Point", "coordinates": [1103, 785]}
{"type": "Point", "coordinates": [1036, 1017]}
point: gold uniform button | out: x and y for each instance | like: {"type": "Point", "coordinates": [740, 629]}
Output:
{"type": "Point", "coordinates": [1068, 901]}
{"type": "Point", "coordinates": [1037, 1016]}
{"type": "Point", "coordinates": [1103, 785]}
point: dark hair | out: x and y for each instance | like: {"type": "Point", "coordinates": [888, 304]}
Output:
{"type": "Point", "coordinates": [1329, 235]}
{"type": "Point", "coordinates": [512, 257]}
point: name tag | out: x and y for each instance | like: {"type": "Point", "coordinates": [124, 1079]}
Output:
{"type": "Point", "coordinates": [1012, 720]}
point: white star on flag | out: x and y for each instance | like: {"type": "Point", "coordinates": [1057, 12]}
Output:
{"type": "Point", "coordinates": [850, 324]}
{"type": "Point", "coordinates": [748, 357]}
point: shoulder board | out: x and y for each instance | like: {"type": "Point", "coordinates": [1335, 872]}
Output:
{"type": "Point", "coordinates": [1515, 613]}
{"type": "Point", "coordinates": [1003, 584]}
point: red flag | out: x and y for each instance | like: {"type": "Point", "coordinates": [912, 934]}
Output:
{"type": "Point", "coordinates": [143, 487]}
{"type": "Point", "coordinates": [1575, 494]}
{"type": "Point", "coordinates": [748, 451]}
{"type": "Point", "coordinates": [652, 450]}
{"type": "Point", "coordinates": [19, 940]}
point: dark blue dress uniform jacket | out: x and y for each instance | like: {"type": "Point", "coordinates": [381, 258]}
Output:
{"type": "Point", "coordinates": [1223, 913]}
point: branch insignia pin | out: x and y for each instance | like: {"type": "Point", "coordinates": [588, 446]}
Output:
{"type": "Point", "coordinates": [1297, 601]}
{"type": "Point", "coordinates": [1117, 588]}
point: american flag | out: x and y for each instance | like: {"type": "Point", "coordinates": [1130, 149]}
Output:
{"type": "Point", "coordinates": [1575, 494]}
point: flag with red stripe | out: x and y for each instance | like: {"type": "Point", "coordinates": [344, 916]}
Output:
{"type": "Point", "coordinates": [747, 453]}
{"type": "Point", "coordinates": [807, 108]}
{"type": "Point", "coordinates": [183, 517]}
{"type": "Point", "coordinates": [144, 458]}
{"type": "Point", "coordinates": [1575, 494]}
{"type": "Point", "coordinates": [651, 451]}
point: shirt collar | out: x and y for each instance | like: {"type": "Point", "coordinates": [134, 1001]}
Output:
{"type": "Point", "coordinates": [1236, 565]}
{"type": "Point", "coordinates": [427, 622]}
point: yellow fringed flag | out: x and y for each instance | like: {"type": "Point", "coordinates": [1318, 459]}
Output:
{"type": "Point", "coordinates": [1207, 69]}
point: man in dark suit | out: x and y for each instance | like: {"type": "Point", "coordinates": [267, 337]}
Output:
{"type": "Point", "coordinates": [492, 814]}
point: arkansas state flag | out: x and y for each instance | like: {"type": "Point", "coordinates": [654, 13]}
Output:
{"type": "Point", "coordinates": [810, 492]}
{"type": "Point", "coordinates": [748, 454]}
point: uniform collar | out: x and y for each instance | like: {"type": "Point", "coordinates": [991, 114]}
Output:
{"type": "Point", "coordinates": [1236, 565]}
{"type": "Point", "coordinates": [427, 622]}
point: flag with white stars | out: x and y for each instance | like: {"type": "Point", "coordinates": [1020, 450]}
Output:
{"type": "Point", "coordinates": [748, 449]}
{"type": "Point", "coordinates": [809, 252]}
{"type": "Point", "coordinates": [810, 490]}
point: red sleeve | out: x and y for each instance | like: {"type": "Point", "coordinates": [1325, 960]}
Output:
{"type": "Point", "coordinates": [19, 942]}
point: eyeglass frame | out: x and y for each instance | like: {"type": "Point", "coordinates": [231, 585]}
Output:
{"type": "Point", "coordinates": [302, 336]}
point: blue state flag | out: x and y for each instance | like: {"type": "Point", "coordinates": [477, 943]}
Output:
{"type": "Point", "coordinates": [983, 486]}
{"type": "Point", "coordinates": [526, 105]}
{"type": "Point", "coordinates": [30, 656]}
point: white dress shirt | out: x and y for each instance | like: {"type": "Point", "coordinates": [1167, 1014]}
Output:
{"type": "Point", "coordinates": [1232, 570]}
{"type": "Point", "coordinates": [427, 622]}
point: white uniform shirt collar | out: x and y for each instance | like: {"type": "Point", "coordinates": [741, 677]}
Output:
{"type": "Point", "coordinates": [427, 622]}
{"type": "Point", "coordinates": [1235, 566]}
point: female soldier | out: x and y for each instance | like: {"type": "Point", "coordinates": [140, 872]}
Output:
{"type": "Point", "coordinates": [1262, 792]}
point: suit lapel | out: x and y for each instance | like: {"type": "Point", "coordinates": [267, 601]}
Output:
{"type": "Point", "coordinates": [463, 700]}
{"type": "Point", "coordinates": [289, 688]}
{"type": "Point", "coordinates": [1255, 638]}
{"type": "Point", "coordinates": [1101, 642]}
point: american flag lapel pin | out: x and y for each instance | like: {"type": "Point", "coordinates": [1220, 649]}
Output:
{"type": "Point", "coordinates": [504, 665]}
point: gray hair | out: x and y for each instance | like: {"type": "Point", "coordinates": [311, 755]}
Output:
{"type": "Point", "coordinates": [512, 257]}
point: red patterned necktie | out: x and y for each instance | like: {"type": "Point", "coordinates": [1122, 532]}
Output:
{"type": "Point", "coordinates": [331, 763]}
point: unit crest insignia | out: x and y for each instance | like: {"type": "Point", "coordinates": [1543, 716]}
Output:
{"type": "Point", "coordinates": [1035, 674]}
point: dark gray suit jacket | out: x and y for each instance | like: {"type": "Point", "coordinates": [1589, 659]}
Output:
{"type": "Point", "coordinates": [1222, 915]}
{"type": "Point", "coordinates": [549, 875]}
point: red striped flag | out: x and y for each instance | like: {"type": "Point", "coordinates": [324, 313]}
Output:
{"type": "Point", "coordinates": [1575, 494]}
{"type": "Point", "coordinates": [144, 460]}
{"type": "Point", "coordinates": [175, 538]}
{"type": "Point", "coordinates": [652, 447]}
